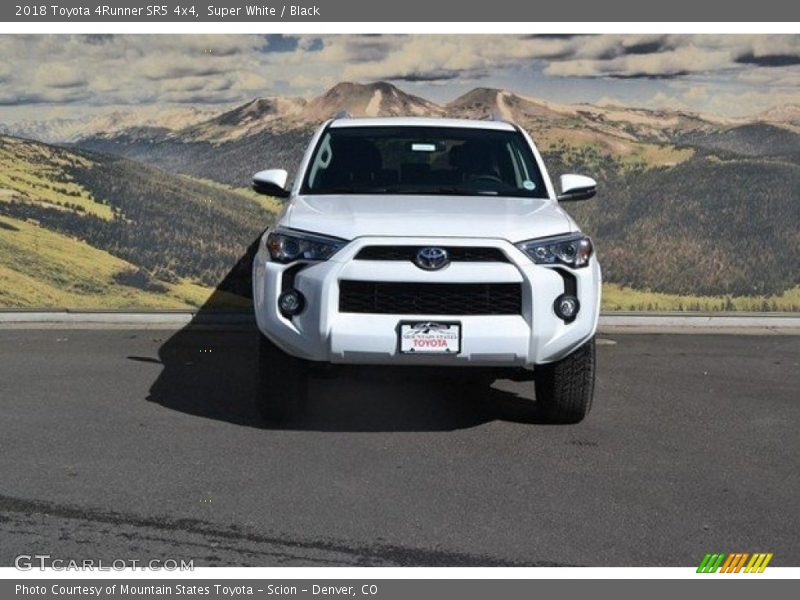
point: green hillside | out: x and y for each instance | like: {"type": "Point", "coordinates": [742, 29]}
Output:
{"type": "Point", "coordinates": [79, 229]}
{"type": "Point", "coordinates": [38, 173]}
{"type": "Point", "coordinates": [42, 268]}
{"type": "Point", "coordinates": [705, 227]}
{"type": "Point", "coordinates": [617, 297]}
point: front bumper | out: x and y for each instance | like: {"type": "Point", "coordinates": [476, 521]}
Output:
{"type": "Point", "coordinates": [322, 333]}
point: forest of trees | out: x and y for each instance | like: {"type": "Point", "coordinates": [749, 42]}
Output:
{"type": "Point", "coordinates": [715, 224]}
{"type": "Point", "coordinates": [169, 226]}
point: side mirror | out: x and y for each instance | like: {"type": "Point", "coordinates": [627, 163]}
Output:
{"type": "Point", "coordinates": [576, 187]}
{"type": "Point", "coordinates": [271, 182]}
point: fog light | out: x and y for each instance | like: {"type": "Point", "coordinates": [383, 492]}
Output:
{"type": "Point", "coordinates": [566, 307]}
{"type": "Point", "coordinates": [291, 303]}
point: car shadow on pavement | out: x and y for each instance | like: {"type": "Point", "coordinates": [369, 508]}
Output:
{"type": "Point", "coordinates": [209, 370]}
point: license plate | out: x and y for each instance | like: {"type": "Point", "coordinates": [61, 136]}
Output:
{"type": "Point", "coordinates": [430, 338]}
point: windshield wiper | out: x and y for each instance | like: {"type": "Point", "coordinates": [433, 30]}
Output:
{"type": "Point", "coordinates": [455, 191]}
{"type": "Point", "coordinates": [449, 190]}
{"type": "Point", "coordinates": [398, 189]}
{"type": "Point", "coordinates": [353, 190]}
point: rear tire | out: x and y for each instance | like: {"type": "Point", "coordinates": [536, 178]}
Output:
{"type": "Point", "coordinates": [282, 387]}
{"type": "Point", "coordinates": [564, 389]}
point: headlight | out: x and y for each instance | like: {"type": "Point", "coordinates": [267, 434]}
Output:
{"type": "Point", "coordinates": [573, 250]}
{"type": "Point", "coordinates": [287, 246]}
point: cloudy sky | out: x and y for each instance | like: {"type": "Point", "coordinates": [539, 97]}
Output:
{"type": "Point", "coordinates": [44, 76]}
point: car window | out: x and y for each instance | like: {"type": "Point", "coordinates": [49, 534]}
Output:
{"type": "Point", "coordinates": [423, 160]}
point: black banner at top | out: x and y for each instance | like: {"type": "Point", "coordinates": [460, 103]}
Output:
{"type": "Point", "coordinates": [408, 11]}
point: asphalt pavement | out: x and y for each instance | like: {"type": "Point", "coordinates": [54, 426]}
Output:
{"type": "Point", "coordinates": [143, 444]}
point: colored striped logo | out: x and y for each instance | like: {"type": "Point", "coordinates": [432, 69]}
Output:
{"type": "Point", "coordinates": [734, 562]}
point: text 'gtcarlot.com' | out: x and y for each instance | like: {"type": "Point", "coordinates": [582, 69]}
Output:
{"type": "Point", "coordinates": [28, 562]}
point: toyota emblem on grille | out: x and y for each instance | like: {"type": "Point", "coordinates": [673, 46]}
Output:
{"type": "Point", "coordinates": [432, 259]}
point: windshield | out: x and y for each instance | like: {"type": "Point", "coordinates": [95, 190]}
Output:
{"type": "Point", "coordinates": [423, 160]}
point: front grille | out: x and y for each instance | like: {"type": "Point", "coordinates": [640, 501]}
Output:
{"type": "Point", "coordinates": [456, 253]}
{"type": "Point", "coordinates": [378, 297]}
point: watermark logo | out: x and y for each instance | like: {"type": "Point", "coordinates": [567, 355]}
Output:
{"type": "Point", "coordinates": [42, 562]}
{"type": "Point", "coordinates": [735, 562]}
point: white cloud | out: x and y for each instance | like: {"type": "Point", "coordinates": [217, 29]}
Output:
{"type": "Point", "coordinates": [670, 63]}
{"type": "Point", "coordinates": [59, 76]}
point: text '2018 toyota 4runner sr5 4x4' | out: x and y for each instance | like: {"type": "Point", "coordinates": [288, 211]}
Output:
{"type": "Point", "coordinates": [435, 242]}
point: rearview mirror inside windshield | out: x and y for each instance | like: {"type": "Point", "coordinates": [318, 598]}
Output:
{"type": "Point", "coordinates": [426, 147]}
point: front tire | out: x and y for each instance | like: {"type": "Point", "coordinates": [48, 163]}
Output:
{"type": "Point", "coordinates": [564, 389]}
{"type": "Point", "coordinates": [282, 386]}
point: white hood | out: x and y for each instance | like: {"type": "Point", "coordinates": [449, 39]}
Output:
{"type": "Point", "coordinates": [351, 216]}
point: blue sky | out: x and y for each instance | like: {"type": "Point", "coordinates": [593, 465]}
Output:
{"type": "Point", "coordinates": [44, 76]}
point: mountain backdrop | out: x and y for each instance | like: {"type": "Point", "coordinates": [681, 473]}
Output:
{"type": "Point", "coordinates": [153, 210]}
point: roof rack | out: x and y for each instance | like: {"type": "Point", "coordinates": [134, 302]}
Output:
{"type": "Point", "coordinates": [496, 116]}
{"type": "Point", "coordinates": [342, 114]}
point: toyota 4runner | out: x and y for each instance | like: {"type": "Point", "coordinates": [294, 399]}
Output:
{"type": "Point", "coordinates": [435, 242]}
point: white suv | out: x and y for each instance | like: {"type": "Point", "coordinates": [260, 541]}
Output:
{"type": "Point", "coordinates": [436, 242]}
